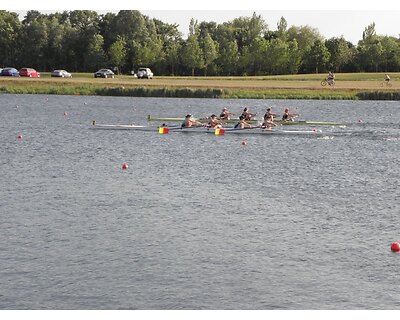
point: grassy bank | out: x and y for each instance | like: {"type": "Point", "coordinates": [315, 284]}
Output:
{"type": "Point", "coordinates": [367, 86]}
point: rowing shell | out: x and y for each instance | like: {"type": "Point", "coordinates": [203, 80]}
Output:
{"type": "Point", "coordinates": [123, 127]}
{"type": "Point", "coordinates": [255, 130]}
{"type": "Point", "coordinates": [203, 120]}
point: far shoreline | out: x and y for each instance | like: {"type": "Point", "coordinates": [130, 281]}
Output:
{"type": "Point", "coordinates": [349, 86]}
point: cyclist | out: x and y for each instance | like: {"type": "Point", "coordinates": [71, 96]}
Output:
{"type": "Point", "coordinates": [331, 78]}
{"type": "Point", "coordinates": [387, 78]}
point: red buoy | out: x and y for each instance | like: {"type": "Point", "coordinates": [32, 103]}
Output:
{"type": "Point", "coordinates": [244, 143]}
{"type": "Point", "coordinates": [395, 247]}
{"type": "Point", "coordinates": [20, 136]}
{"type": "Point", "coordinates": [125, 166]}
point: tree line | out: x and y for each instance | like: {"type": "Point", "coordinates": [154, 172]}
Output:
{"type": "Point", "coordinates": [84, 41]}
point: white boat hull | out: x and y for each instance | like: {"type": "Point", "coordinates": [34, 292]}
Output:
{"type": "Point", "coordinates": [124, 127]}
{"type": "Point", "coordinates": [255, 130]}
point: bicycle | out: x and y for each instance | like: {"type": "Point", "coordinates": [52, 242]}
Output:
{"type": "Point", "coordinates": [386, 83]}
{"type": "Point", "coordinates": [326, 81]}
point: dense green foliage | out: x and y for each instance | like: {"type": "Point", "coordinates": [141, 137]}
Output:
{"type": "Point", "coordinates": [84, 41]}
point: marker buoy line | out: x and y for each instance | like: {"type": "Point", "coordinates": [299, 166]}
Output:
{"type": "Point", "coordinates": [395, 247]}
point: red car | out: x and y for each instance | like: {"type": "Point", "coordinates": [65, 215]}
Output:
{"type": "Point", "coordinates": [29, 72]}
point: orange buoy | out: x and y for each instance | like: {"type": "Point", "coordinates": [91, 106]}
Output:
{"type": "Point", "coordinates": [395, 247]}
{"type": "Point", "coordinates": [125, 166]}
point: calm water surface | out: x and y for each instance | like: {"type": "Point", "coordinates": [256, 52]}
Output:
{"type": "Point", "coordinates": [197, 221]}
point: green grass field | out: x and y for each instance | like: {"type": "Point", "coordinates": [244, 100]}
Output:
{"type": "Point", "coordinates": [348, 86]}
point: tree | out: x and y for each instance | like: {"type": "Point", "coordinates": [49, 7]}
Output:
{"type": "Point", "coordinates": [146, 53]}
{"type": "Point", "coordinates": [340, 51]}
{"type": "Point", "coordinates": [294, 57]}
{"type": "Point", "coordinates": [117, 53]}
{"type": "Point", "coordinates": [318, 57]}
{"type": "Point", "coordinates": [390, 54]}
{"type": "Point", "coordinates": [85, 25]}
{"type": "Point", "coordinates": [370, 50]}
{"type": "Point", "coordinates": [192, 55]}
{"type": "Point", "coordinates": [96, 57]}
{"type": "Point", "coordinates": [369, 33]}
{"type": "Point", "coordinates": [305, 37]}
{"type": "Point", "coordinates": [228, 57]}
{"type": "Point", "coordinates": [277, 56]}
{"type": "Point", "coordinates": [35, 37]}
{"type": "Point", "coordinates": [282, 29]}
{"type": "Point", "coordinates": [172, 55]}
{"type": "Point", "coordinates": [9, 32]}
{"type": "Point", "coordinates": [247, 30]}
{"type": "Point", "coordinates": [210, 50]}
{"type": "Point", "coordinates": [171, 40]}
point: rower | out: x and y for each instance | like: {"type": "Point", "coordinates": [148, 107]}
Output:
{"type": "Point", "coordinates": [288, 116]}
{"type": "Point", "coordinates": [225, 114]}
{"type": "Point", "coordinates": [247, 115]}
{"type": "Point", "coordinates": [269, 119]}
{"type": "Point", "coordinates": [189, 122]}
{"type": "Point", "coordinates": [242, 123]}
{"type": "Point", "coordinates": [214, 122]}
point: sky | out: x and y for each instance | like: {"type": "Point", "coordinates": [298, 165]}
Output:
{"type": "Point", "coordinates": [331, 18]}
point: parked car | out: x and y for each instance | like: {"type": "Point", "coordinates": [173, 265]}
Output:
{"type": "Point", "coordinates": [10, 72]}
{"type": "Point", "coordinates": [29, 72]}
{"type": "Point", "coordinates": [144, 73]}
{"type": "Point", "coordinates": [61, 73]}
{"type": "Point", "coordinates": [104, 73]}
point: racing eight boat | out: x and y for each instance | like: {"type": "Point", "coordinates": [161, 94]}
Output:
{"type": "Point", "coordinates": [204, 129]}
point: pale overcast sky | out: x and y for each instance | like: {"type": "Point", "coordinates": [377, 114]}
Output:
{"type": "Point", "coordinates": [334, 19]}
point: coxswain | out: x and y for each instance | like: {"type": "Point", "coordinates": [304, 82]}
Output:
{"type": "Point", "coordinates": [247, 115]}
{"type": "Point", "coordinates": [288, 116]}
{"type": "Point", "coordinates": [190, 122]}
{"type": "Point", "coordinates": [269, 119]}
{"type": "Point", "coordinates": [225, 114]}
{"type": "Point", "coordinates": [242, 124]}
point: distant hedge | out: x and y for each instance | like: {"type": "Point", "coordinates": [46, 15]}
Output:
{"type": "Point", "coordinates": [160, 92]}
{"type": "Point", "coordinates": [379, 95]}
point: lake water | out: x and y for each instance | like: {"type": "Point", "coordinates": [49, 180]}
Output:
{"type": "Point", "coordinates": [197, 221]}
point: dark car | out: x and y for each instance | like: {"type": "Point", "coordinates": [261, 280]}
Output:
{"type": "Point", "coordinates": [9, 72]}
{"type": "Point", "coordinates": [104, 73]}
{"type": "Point", "coordinates": [29, 72]}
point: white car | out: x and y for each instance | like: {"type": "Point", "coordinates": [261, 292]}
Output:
{"type": "Point", "coordinates": [61, 73]}
{"type": "Point", "coordinates": [144, 73]}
